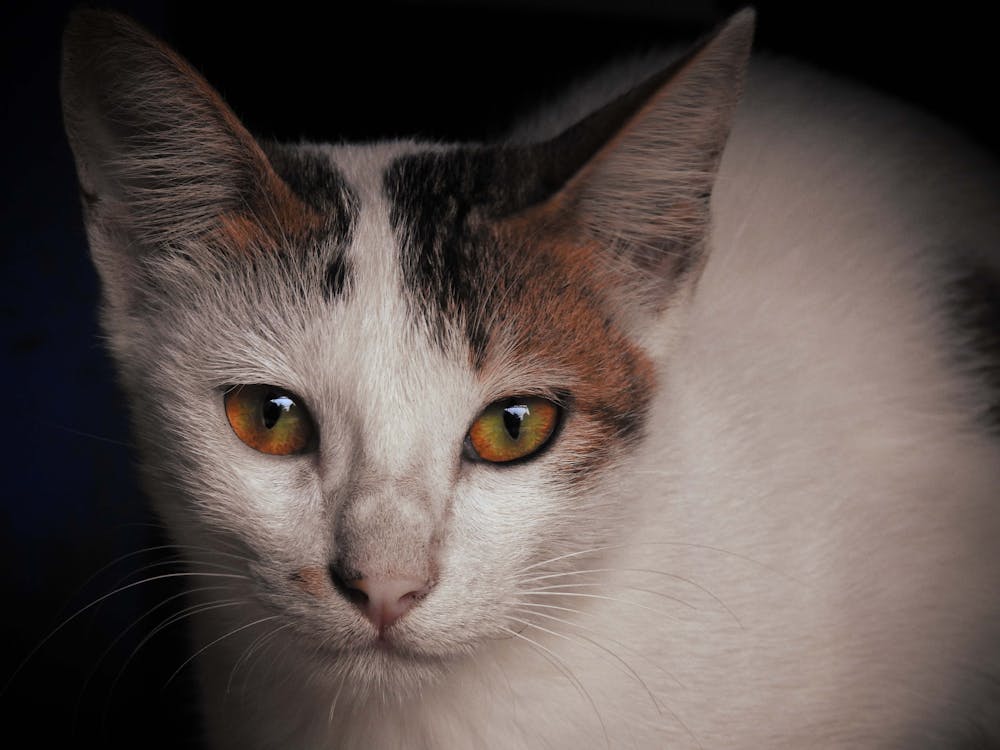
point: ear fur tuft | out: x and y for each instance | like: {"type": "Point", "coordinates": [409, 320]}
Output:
{"type": "Point", "coordinates": [643, 190]}
{"type": "Point", "coordinates": [159, 155]}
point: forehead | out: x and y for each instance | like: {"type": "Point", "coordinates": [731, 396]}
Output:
{"type": "Point", "coordinates": [443, 275]}
{"type": "Point", "coordinates": [380, 364]}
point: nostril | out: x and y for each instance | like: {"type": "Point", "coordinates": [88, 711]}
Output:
{"type": "Point", "coordinates": [381, 600]}
{"type": "Point", "coordinates": [347, 586]}
{"type": "Point", "coordinates": [402, 592]}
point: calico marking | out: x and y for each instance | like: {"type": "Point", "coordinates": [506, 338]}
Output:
{"type": "Point", "coordinates": [314, 580]}
{"type": "Point", "coordinates": [320, 185]}
{"type": "Point", "coordinates": [173, 152]}
{"type": "Point", "coordinates": [520, 285]}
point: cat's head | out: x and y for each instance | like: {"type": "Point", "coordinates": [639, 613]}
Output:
{"type": "Point", "coordinates": [389, 384]}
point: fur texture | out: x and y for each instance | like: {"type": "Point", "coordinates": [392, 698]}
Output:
{"type": "Point", "coordinates": [768, 516]}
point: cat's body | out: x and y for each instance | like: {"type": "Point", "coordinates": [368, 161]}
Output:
{"type": "Point", "coordinates": [767, 519]}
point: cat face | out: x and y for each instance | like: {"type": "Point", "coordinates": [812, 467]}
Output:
{"type": "Point", "coordinates": [391, 382]}
{"type": "Point", "coordinates": [405, 309]}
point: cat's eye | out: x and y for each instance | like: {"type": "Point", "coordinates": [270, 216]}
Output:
{"type": "Point", "coordinates": [512, 428]}
{"type": "Point", "coordinates": [269, 419]}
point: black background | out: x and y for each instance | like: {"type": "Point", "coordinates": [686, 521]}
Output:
{"type": "Point", "coordinates": [365, 71]}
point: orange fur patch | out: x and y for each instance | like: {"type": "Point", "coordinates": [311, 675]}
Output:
{"type": "Point", "coordinates": [560, 315]}
{"type": "Point", "coordinates": [275, 213]}
{"type": "Point", "coordinates": [314, 580]}
{"type": "Point", "coordinates": [277, 218]}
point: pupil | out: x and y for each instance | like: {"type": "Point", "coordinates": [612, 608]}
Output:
{"type": "Point", "coordinates": [273, 408]}
{"type": "Point", "coordinates": [512, 418]}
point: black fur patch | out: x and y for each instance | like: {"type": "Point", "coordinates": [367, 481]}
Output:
{"type": "Point", "coordinates": [439, 200]}
{"type": "Point", "coordinates": [434, 200]}
{"type": "Point", "coordinates": [440, 204]}
{"type": "Point", "coordinates": [445, 207]}
{"type": "Point", "coordinates": [975, 310]}
{"type": "Point", "coordinates": [321, 186]}
{"type": "Point", "coordinates": [336, 277]}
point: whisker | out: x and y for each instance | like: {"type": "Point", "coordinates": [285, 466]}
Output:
{"type": "Point", "coordinates": [91, 435]}
{"type": "Point", "coordinates": [194, 609]}
{"type": "Point", "coordinates": [591, 584]}
{"type": "Point", "coordinates": [125, 632]}
{"type": "Point", "coordinates": [213, 552]}
{"type": "Point", "coordinates": [627, 668]}
{"type": "Point", "coordinates": [333, 705]}
{"type": "Point", "coordinates": [218, 537]}
{"type": "Point", "coordinates": [217, 640]}
{"type": "Point", "coordinates": [555, 661]}
{"type": "Point", "coordinates": [248, 653]}
{"type": "Point", "coordinates": [95, 603]}
{"type": "Point", "coordinates": [510, 691]}
{"type": "Point", "coordinates": [575, 624]}
{"type": "Point", "coordinates": [605, 598]}
{"type": "Point", "coordinates": [122, 558]}
{"type": "Point", "coordinates": [486, 691]}
{"type": "Point", "coordinates": [175, 561]}
{"type": "Point", "coordinates": [569, 555]}
{"type": "Point", "coordinates": [692, 545]}
{"type": "Point", "coordinates": [191, 611]}
{"type": "Point", "coordinates": [144, 550]}
{"type": "Point", "coordinates": [642, 570]}
{"type": "Point", "coordinates": [250, 669]}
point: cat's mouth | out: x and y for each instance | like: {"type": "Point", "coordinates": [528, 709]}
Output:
{"type": "Point", "coordinates": [393, 645]}
{"type": "Point", "coordinates": [390, 662]}
{"type": "Point", "coordinates": [339, 626]}
{"type": "Point", "coordinates": [389, 643]}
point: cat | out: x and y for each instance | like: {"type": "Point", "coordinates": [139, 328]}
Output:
{"type": "Point", "coordinates": [650, 426]}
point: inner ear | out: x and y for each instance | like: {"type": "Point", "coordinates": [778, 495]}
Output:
{"type": "Point", "coordinates": [159, 154]}
{"type": "Point", "coordinates": [635, 178]}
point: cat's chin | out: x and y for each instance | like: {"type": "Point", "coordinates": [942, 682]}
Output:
{"type": "Point", "coordinates": [387, 664]}
{"type": "Point", "coordinates": [384, 667]}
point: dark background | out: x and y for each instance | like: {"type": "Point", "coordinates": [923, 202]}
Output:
{"type": "Point", "coordinates": [379, 69]}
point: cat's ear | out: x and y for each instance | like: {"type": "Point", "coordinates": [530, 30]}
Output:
{"type": "Point", "coordinates": [162, 161]}
{"type": "Point", "coordinates": [641, 169]}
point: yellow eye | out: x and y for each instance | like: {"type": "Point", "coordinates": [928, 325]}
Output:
{"type": "Point", "coordinates": [513, 428]}
{"type": "Point", "coordinates": [269, 419]}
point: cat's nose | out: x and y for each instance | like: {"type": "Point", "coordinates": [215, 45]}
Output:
{"type": "Point", "coordinates": [383, 600]}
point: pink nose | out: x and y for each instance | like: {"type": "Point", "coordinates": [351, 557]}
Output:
{"type": "Point", "coordinates": [385, 600]}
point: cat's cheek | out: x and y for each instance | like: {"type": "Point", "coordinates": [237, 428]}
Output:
{"type": "Point", "coordinates": [272, 504]}
{"type": "Point", "coordinates": [503, 522]}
